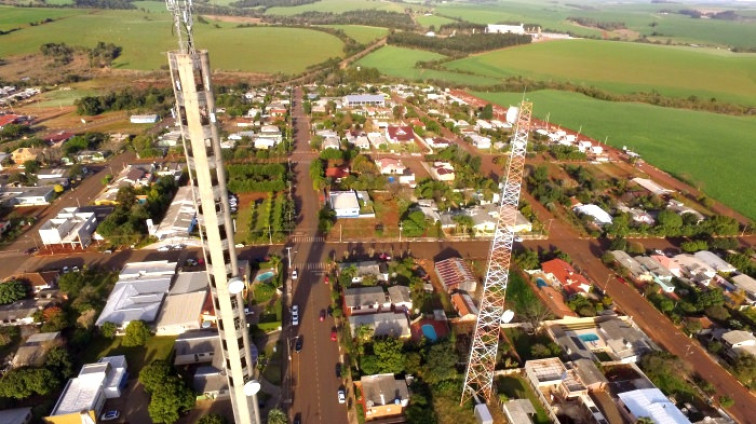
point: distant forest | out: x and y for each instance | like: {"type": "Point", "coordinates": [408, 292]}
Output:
{"type": "Point", "coordinates": [459, 45]}
{"type": "Point", "coordinates": [271, 3]}
{"type": "Point", "coordinates": [378, 18]}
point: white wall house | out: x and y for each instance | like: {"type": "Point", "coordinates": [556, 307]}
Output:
{"type": "Point", "coordinates": [69, 227]}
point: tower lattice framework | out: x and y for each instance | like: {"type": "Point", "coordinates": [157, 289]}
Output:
{"type": "Point", "coordinates": [485, 343]}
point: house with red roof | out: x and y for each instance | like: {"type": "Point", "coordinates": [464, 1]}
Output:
{"type": "Point", "coordinates": [58, 138]}
{"type": "Point", "coordinates": [337, 172]}
{"type": "Point", "coordinates": [398, 134]}
{"type": "Point", "coordinates": [572, 282]}
{"type": "Point", "coordinates": [10, 119]}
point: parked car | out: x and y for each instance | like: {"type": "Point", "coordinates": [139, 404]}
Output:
{"type": "Point", "coordinates": [326, 280]}
{"type": "Point", "coordinates": [75, 269]}
{"type": "Point", "coordinates": [518, 239]}
{"type": "Point", "coordinates": [294, 274]}
{"type": "Point", "coordinates": [65, 270]}
{"type": "Point", "coordinates": [298, 419]}
{"type": "Point", "coordinates": [322, 315]}
{"type": "Point", "coordinates": [334, 336]}
{"type": "Point", "coordinates": [30, 250]}
{"type": "Point", "coordinates": [298, 344]}
{"type": "Point", "coordinates": [385, 257]}
{"type": "Point", "coordinates": [295, 315]}
{"type": "Point", "coordinates": [110, 415]}
{"type": "Point", "coordinates": [164, 248]}
{"type": "Point", "coordinates": [342, 395]}
{"type": "Point", "coordinates": [338, 369]}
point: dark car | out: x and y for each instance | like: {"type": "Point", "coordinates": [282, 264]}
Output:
{"type": "Point", "coordinates": [30, 250]}
{"type": "Point", "coordinates": [298, 344]}
{"type": "Point", "coordinates": [338, 369]}
{"type": "Point", "coordinates": [322, 315]}
{"type": "Point", "coordinates": [298, 419]}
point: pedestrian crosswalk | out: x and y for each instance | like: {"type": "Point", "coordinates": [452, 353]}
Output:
{"type": "Point", "coordinates": [315, 266]}
{"type": "Point", "coordinates": [308, 239]}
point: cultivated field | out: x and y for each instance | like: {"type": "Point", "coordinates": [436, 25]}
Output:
{"type": "Point", "coordinates": [434, 20]}
{"type": "Point", "coordinates": [145, 37]}
{"type": "Point", "coordinates": [625, 68]}
{"type": "Point", "coordinates": [361, 33]}
{"type": "Point", "coordinates": [400, 62]}
{"type": "Point", "coordinates": [336, 6]}
{"type": "Point", "coordinates": [713, 152]}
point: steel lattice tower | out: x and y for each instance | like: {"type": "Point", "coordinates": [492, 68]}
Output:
{"type": "Point", "coordinates": [485, 342]}
{"type": "Point", "coordinates": [195, 115]}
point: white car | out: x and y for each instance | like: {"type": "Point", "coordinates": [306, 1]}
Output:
{"type": "Point", "coordinates": [342, 395]}
{"type": "Point", "coordinates": [164, 248]}
{"type": "Point", "coordinates": [518, 239]}
{"type": "Point", "coordinates": [295, 315]}
{"type": "Point", "coordinates": [294, 275]}
{"type": "Point", "coordinates": [110, 415]}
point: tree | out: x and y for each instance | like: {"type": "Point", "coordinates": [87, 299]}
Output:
{"type": "Point", "coordinates": [169, 400]}
{"type": "Point", "coordinates": [213, 419]}
{"type": "Point", "coordinates": [669, 223]}
{"type": "Point", "coordinates": [153, 375]}
{"type": "Point", "coordinates": [12, 291]}
{"type": "Point", "coordinates": [369, 364]}
{"type": "Point", "coordinates": [744, 368]}
{"type": "Point", "coordinates": [58, 361]}
{"type": "Point", "coordinates": [527, 259]}
{"type": "Point", "coordinates": [440, 363]}
{"type": "Point", "coordinates": [539, 350]}
{"type": "Point", "coordinates": [277, 416]}
{"type": "Point", "coordinates": [388, 350]}
{"type": "Point", "coordinates": [24, 382]}
{"type": "Point", "coordinates": [487, 112]}
{"type": "Point", "coordinates": [137, 333]}
{"type": "Point", "coordinates": [31, 166]}
{"type": "Point", "coordinates": [726, 401]}
{"type": "Point", "coordinates": [72, 283]}
{"type": "Point", "coordinates": [108, 330]}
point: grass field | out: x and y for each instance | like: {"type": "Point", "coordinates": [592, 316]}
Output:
{"type": "Point", "coordinates": [400, 62]}
{"type": "Point", "coordinates": [14, 17]}
{"type": "Point", "coordinates": [626, 67]}
{"type": "Point", "coordinates": [361, 33]}
{"type": "Point", "coordinates": [156, 348]}
{"type": "Point", "coordinates": [61, 97]}
{"type": "Point", "coordinates": [434, 20]}
{"type": "Point", "coordinates": [145, 37]}
{"type": "Point", "coordinates": [710, 150]}
{"type": "Point", "coordinates": [336, 6]}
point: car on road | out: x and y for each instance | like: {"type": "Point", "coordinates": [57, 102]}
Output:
{"type": "Point", "coordinates": [385, 257]}
{"type": "Point", "coordinates": [111, 415]}
{"type": "Point", "coordinates": [30, 250]}
{"type": "Point", "coordinates": [322, 315]}
{"type": "Point", "coordinates": [342, 395]}
{"type": "Point", "coordinates": [178, 247]}
{"type": "Point", "coordinates": [295, 315]}
{"type": "Point", "coordinates": [65, 270]}
{"type": "Point", "coordinates": [298, 344]}
{"type": "Point", "coordinates": [75, 269]}
{"type": "Point", "coordinates": [298, 418]}
{"type": "Point", "coordinates": [294, 274]}
{"type": "Point", "coordinates": [518, 239]}
{"type": "Point", "coordinates": [326, 280]}
{"type": "Point", "coordinates": [334, 336]}
{"type": "Point", "coordinates": [164, 249]}
{"type": "Point", "coordinates": [338, 369]}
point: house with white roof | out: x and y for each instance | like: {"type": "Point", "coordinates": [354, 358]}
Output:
{"type": "Point", "coordinates": [652, 187]}
{"type": "Point", "coordinates": [361, 100]}
{"type": "Point", "coordinates": [650, 403]}
{"type": "Point", "coordinates": [345, 204]}
{"type": "Point", "coordinates": [600, 216]}
{"type": "Point", "coordinates": [179, 219]}
{"type": "Point", "coordinates": [714, 261]}
{"type": "Point", "coordinates": [695, 269]}
{"type": "Point", "coordinates": [385, 396]}
{"type": "Point", "coordinates": [739, 342]}
{"type": "Point", "coordinates": [331, 142]}
{"type": "Point", "coordinates": [382, 324]}
{"type": "Point", "coordinates": [70, 227]}
{"type": "Point", "coordinates": [748, 285]}
{"type": "Point", "coordinates": [480, 141]}
{"type": "Point", "coordinates": [86, 394]}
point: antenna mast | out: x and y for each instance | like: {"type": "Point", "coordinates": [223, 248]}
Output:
{"type": "Point", "coordinates": [182, 21]}
{"type": "Point", "coordinates": [485, 342]}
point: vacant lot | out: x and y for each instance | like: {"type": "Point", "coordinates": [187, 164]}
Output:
{"type": "Point", "coordinates": [145, 37]}
{"type": "Point", "coordinates": [400, 62]}
{"type": "Point", "coordinates": [713, 152]}
{"type": "Point", "coordinates": [361, 33]}
{"type": "Point", "coordinates": [625, 68]}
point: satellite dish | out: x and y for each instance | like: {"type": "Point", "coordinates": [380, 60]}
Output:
{"type": "Point", "coordinates": [507, 316]}
{"type": "Point", "coordinates": [251, 388]}
{"type": "Point", "coordinates": [235, 285]}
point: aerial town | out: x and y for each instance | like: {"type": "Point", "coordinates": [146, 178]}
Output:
{"type": "Point", "coordinates": [342, 248]}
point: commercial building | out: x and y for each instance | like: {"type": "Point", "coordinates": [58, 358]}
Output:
{"type": "Point", "coordinates": [345, 204]}
{"type": "Point", "coordinates": [360, 100]}
{"type": "Point", "coordinates": [70, 227]}
{"type": "Point", "coordinates": [86, 394]}
{"type": "Point", "coordinates": [144, 119]}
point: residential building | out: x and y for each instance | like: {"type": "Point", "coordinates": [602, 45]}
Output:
{"type": "Point", "coordinates": [33, 351]}
{"type": "Point", "coordinates": [600, 216]}
{"type": "Point", "coordinates": [552, 378]}
{"type": "Point", "coordinates": [382, 324]}
{"type": "Point", "coordinates": [636, 270]}
{"type": "Point", "coordinates": [24, 154]}
{"type": "Point", "coordinates": [377, 140]}
{"type": "Point", "coordinates": [144, 119]}
{"type": "Point", "coordinates": [52, 173]}
{"type": "Point", "coordinates": [714, 261]}
{"type": "Point", "coordinates": [365, 300]}
{"type": "Point", "coordinates": [400, 134]}
{"type": "Point", "coordinates": [27, 196]}
{"type": "Point", "coordinates": [571, 281]}
{"type": "Point", "coordinates": [400, 298]}
{"type": "Point", "coordinates": [170, 169]}
{"type": "Point", "coordinates": [695, 269]}
{"type": "Point", "coordinates": [384, 396]}
{"type": "Point", "coordinates": [86, 394]}
{"type": "Point", "coordinates": [437, 143]}
{"type": "Point", "coordinates": [38, 281]}
{"type": "Point", "coordinates": [442, 171]}
{"type": "Point", "coordinates": [655, 268]}
{"type": "Point", "coordinates": [198, 347]}
{"type": "Point", "coordinates": [345, 204]}
{"type": "Point", "coordinates": [16, 416]}
{"type": "Point", "coordinates": [360, 100]}
{"type": "Point", "coordinates": [739, 342]}
{"type": "Point", "coordinates": [135, 175]}
{"type": "Point", "coordinates": [91, 156]}
{"type": "Point", "coordinates": [22, 312]}
{"type": "Point", "coordinates": [180, 219]}
{"type": "Point", "coordinates": [650, 403]}
{"type": "Point", "coordinates": [389, 166]}
{"type": "Point", "coordinates": [455, 274]}
{"type": "Point", "coordinates": [519, 411]}
{"type": "Point", "coordinates": [624, 342]}
{"type": "Point", "coordinates": [365, 268]}
{"type": "Point", "coordinates": [652, 187]}
{"type": "Point", "coordinates": [479, 141]}
{"type": "Point", "coordinates": [337, 172]}
{"type": "Point", "coordinates": [69, 228]}
{"type": "Point", "coordinates": [748, 285]}
{"type": "Point", "coordinates": [331, 142]}
{"type": "Point", "coordinates": [465, 307]}
{"type": "Point", "coordinates": [181, 312]}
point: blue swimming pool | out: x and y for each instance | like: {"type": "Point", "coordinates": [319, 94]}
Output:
{"type": "Point", "coordinates": [429, 332]}
{"type": "Point", "coordinates": [540, 283]}
{"type": "Point", "coordinates": [588, 337]}
{"type": "Point", "coordinates": [264, 276]}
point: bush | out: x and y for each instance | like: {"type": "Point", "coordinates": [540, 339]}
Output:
{"type": "Point", "coordinates": [108, 330]}
{"type": "Point", "coordinates": [726, 401]}
{"type": "Point", "coordinates": [12, 291]}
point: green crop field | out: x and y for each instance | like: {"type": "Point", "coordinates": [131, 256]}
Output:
{"type": "Point", "coordinates": [626, 67]}
{"type": "Point", "coordinates": [151, 6]}
{"type": "Point", "coordinates": [145, 37]}
{"type": "Point", "coordinates": [400, 62]}
{"type": "Point", "coordinates": [709, 150]}
{"type": "Point", "coordinates": [336, 6]}
{"type": "Point", "coordinates": [361, 33]}
{"type": "Point", "coordinates": [15, 17]}
{"type": "Point", "coordinates": [436, 21]}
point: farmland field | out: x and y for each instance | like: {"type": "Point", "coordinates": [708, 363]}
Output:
{"type": "Point", "coordinates": [361, 33]}
{"type": "Point", "coordinates": [146, 37]}
{"type": "Point", "coordinates": [336, 6]}
{"type": "Point", "coordinates": [434, 20]}
{"type": "Point", "coordinates": [708, 150]}
{"type": "Point", "coordinates": [400, 62]}
{"type": "Point", "coordinates": [625, 68]}
{"type": "Point", "coordinates": [14, 17]}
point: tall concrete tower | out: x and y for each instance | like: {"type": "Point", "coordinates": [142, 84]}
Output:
{"type": "Point", "coordinates": [195, 114]}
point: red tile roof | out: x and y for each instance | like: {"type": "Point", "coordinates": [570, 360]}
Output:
{"type": "Point", "coordinates": [59, 136]}
{"type": "Point", "coordinates": [401, 133]}
{"type": "Point", "coordinates": [570, 279]}
{"type": "Point", "coordinates": [337, 172]}
{"type": "Point", "coordinates": [8, 119]}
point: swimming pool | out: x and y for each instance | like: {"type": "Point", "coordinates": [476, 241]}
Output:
{"type": "Point", "coordinates": [429, 332]}
{"type": "Point", "coordinates": [264, 276]}
{"type": "Point", "coordinates": [540, 283]}
{"type": "Point", "coordinates": [588, 337]}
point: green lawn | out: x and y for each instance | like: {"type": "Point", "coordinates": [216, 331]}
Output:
{"type": "Point", "coordinates": [145, 37]}
{"type": "Point", "coordinates": [515, 387]}
{"type": "Point", "coordinates": [336, 6]}
{"type": "Point", "coordinates": [361, 33]}
{"type": "Point", "coordinates": [712, 151]}
{"type": "Point", "coordinates": [519, 293]}
{"type": "Point", "coordinates": [400, 62]}
{"type": "Point", "coordinates": [434, 20]}
{"type": "Point", "coordinates": [61, 97]}
{"type": "Point", "coordinates": [157, 348]}
{"type": "Point", "coordinates": [625, 68]}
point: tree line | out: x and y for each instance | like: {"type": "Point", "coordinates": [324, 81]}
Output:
{"type": "Point", "coordinates": [595, 23]}
{"type": "Point", "coordinates": [460, 45]}
{"type": "Point", "coordinates": [154, 99]}
{"type": "Point", "coordinates": [271, 3]}
{"type": "Point", "coordinates": [353, 17]}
